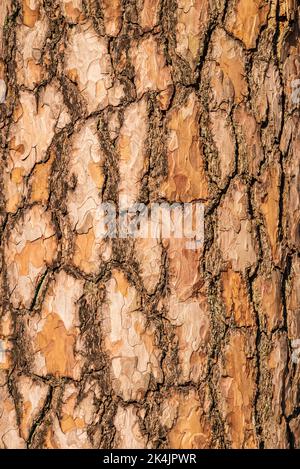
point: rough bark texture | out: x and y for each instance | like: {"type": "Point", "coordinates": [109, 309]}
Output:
{"type": "Point", "coordinates": [142, 343]}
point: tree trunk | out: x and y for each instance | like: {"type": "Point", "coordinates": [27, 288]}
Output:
{"type": "Point", "coordinates": [141, 342]}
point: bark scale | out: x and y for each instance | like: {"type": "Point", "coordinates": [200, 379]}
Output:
{"type": "Point", "coordinates": [142, 343]}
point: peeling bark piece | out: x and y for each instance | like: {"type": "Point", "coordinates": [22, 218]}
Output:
{"type": "Point", "coordinates": [268, 199]}
{"type": "Point", "coordinates": [9, 431]}
{"type": "Point", "coordinates": [88, 64]}
{"type": "Point", "coordinates": [191, 318]}
{"type": "Point", "coordinates": [5, 8]}
{"type": "Point", "coordinates": [114, 125]}
{"type": "Point", "coordinates": [112, 16]}
{"type": "Point", "coordinates": [131, 147]}
{"type": "Point", "coordinates": [224, 140]}
{"type": "Point", "coordinates": [151, 71]}
{"type": "Point", "coordinates": [266, 98]}
{"type": "Point", "coordinates": [77, 414]}
{"type": "Point", "coordinates": [237, 387]}
{"type": "Point", "coordinates": [31, 9]}
{"type": "Point", "coordinates": [250, 144]}
{"type": "Point", "coordinates": [128, 433]}
{"type": "Point", "coordinates": [73, 11]}
{"type": "Point", "coordinates": [235, 238]}
{"type": "Point", "coordinates": [293, 300]}
{"type": "Point", "coordinates": [186, 175]}
{"type": "Point", "coordinates": [30, 137]}
{"type": "Point", "coordinates": [6, 325]}
{"type": "Point", "coordinates": [148, 13]}
{"type": "Point", "coordinates": [72, 439]}
{"type": "Point", "coordinates": [268, 293]}
{"type": "Point", "coordinates": [86, 167]}
{"type": "Point", "coordinates": [290, 53]}
{"type": "Point", "coordinates": [55, 334]}
{"type": "Point", "coordinates": [6, 345]}
{"type": "Point", "coordinates": [132, 166]}
{"type": "Point", "coordinates": [129, 342]}
{"type": "Point", "coordinates": [33, 397]}
{"type": "Point", "coordinates": [29, 250]}
{"type": "Point", "coordinates": [40, 181]}
{"type": "Point", "coordinates": [276, 362]}
{"type": "Point", "coordinates": [5, 353]}
{"type": "Point", "coordinates": [29, 45]}
{"type": "Point", "coordinates": [184, 276]}
{"type": "Point", "coordinates": [70, 430]}
{"type": "Point", "coordinates": [182, 414]}
{"type": "Point", "coordinates": [164, 98]}
{"type": "Point", "coordinates": [149, 255]}
{"type": "Point", "coordinates": [236, 300]}
{"type": "Point", "coordinates": [291, 200]}
{"type": "Point", "coordinates": [226, 72]}
{"type": "Point", "coordinates": [246, 19]}
{"type": "Point", "coordinates": [192, 20]}
{"type": "Point", "coordinates": [3, 90]}
{"type": "Point", "coordinates": [274, 433]}
{"type": "Point", "coordinates": [188, 310]}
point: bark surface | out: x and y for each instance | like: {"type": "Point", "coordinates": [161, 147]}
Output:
{"type": "Point", "coordinates": [142, 343]}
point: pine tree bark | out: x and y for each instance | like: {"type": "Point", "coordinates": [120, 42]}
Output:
{"type": "Point", "coordinates": [141, 343]}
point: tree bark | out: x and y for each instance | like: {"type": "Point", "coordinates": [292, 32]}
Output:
{"type": "Point", "coordinates": [142, 343]}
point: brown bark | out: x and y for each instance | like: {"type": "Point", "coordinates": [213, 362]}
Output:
{"type": "Point", "coordinates": [125, 343]}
